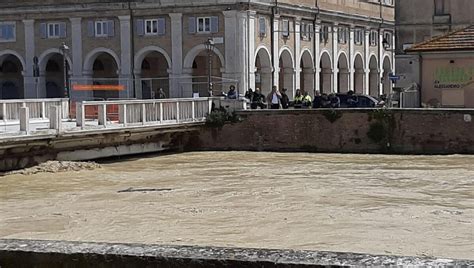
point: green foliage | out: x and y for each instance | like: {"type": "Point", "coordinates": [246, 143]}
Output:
{"type": "Point", "coordinates": [377, 132]}
{"type": "Point", "coordinates": [381, 131]}
{"type": "Point", "coordinates": [219, 117]}
{"type": "Point", "coordinates": [332, 115]}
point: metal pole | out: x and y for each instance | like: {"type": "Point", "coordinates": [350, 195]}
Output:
{"type": "Point", "coordinates": [209, 81]}
{"type": "Point", "coordinates": [66, 91]}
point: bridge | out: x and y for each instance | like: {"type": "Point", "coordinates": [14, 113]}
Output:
{"type": "Point", "coordinates": [34, 131]}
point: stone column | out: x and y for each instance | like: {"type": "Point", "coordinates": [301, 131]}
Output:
{"type": "Point", "coordinates": [126, 58]}
{"type": "Point", "coordinates": [351, 59]}
{"type": "Point", "coordinates": [367, 61]}
{"type": "Point", "coordinates": [251, 48]}
{"type": "Point", "coordinates": [231, 45]}
{"type": "Point", "coordinates": [297, 77]}
{"type": "Point", "coordinates": [77, 67]}
{"type": "Point", "coordinates": [335, 60]}
{"type": "Point", "coordinates": [392, 53]}
{"type": "Point", "coordinates": [176, 55]}
{"type": "Point", "coordinates": [30, 53]}
{"type": "Point", "coordinates": [242, 73]}
{"type": "Point", "coordinates": [317, 55]}
{"type": "Point", "coordinates": [276, 50]}
{"type": "Point", "coordinates": [380, 56]}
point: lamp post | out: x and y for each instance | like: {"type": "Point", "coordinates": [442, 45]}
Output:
{"type": "Point", "coordinates": [209, 47]}
{"type": "Point", "coordinates": [64, 49]}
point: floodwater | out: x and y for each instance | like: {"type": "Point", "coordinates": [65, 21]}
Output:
{"type": "Point", "coordinates": [379, 204]}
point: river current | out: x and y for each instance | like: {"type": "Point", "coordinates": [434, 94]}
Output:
{"type": "Point", "coordinates": [379, 204]}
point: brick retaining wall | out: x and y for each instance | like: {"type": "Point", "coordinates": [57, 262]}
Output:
{"type": "Point", "coordinates": [396, 131]}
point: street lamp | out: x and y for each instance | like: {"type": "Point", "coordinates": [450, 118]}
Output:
{"type": "Point", "coordinates": [64, 49]}
{"type": "Point", "coordinates": [209, 47]}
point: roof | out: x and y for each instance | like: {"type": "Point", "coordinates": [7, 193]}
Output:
{"type": "Point", "coordinates": [459, 40]}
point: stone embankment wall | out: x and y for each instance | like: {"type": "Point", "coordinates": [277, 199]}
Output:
{"type": "Point", "coordinates": [31, 253]}
{"type": "Point", "coordinates": [345, 131]}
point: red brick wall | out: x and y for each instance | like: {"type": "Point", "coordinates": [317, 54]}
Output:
{"type": "Point", "coordinates": [412, 131]}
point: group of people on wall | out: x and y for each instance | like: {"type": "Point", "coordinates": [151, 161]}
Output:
{"type": "Point", "coordinates": [277, 99]}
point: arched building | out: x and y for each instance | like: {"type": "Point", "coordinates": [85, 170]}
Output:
{"type": "Point", "coordinates": [131, 49]}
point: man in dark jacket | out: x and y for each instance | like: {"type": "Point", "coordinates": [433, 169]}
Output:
{"type": "Point", "coordinates": [285, 101]}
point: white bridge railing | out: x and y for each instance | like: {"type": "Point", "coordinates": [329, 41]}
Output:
{"type": "Point", "coordinates": [38, 108]}
{"type": "Point", "coordinates": [142, 112]}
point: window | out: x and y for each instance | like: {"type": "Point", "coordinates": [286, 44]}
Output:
{"type": "Point", "coordinates": [342, 35]}
{"type": "Point", "coordinates": [304, 33]}
{"type": "Point", "coordinates": [7, 32]}
{"type": "Point", "coordinates": [53, 30]}
{"type": "Point", "coordinates": [204, 25]}
{"type": "Point", "coordinates": [306, 30]}
{"type": "Point", "coordinates": [358, 36]}
{"type": "Point", "coordinates": [101, 29]}
{"type": "Point", "coordinates": [324, 35]}
{"type": "Point", "coordinates": [151, 27]}
{"type": "Point", "coordinates": [373, 38]}
{"type": "Point", "coordinates": [439, 7]}
{"type": "Point", "coordinates": [387, 36]}
{"type": "Point", "coordinates": [285, 31]}
{"type": "Point", "coordinates": [387, 2]}
{"type": "Point", "coordinates": [262, 27]}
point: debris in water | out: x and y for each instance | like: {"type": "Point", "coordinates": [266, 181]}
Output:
{"type": "Point", "coordinates": [56, 167]}
{"type": "Point", "coordinates": [144, 190]}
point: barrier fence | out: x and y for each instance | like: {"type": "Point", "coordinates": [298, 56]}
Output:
{"type": "Point", "coordinates": [135, 112]}
{"type": "Point", "coordinates": [38, 108]}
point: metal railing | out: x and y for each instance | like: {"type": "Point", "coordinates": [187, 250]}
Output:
{"type": "Point", "coordinates": [38, 108]}
{"type": "Point", "coordinates": [141, 112]}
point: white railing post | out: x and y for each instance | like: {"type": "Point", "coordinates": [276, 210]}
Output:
{"type": "Point", "coordinates": [4, 112]}
{"type": "Point", "coordinates": [123, 114]}
{"type": "Point", "coordinates": [64, 108]}
{"type": "Point", "coordinates": [80, 114]}
{"type": "Point", "coordinates": [102, 110]}
{"type": "Point", "coordinates": [55, 121]}
{"type": "Point", "coordinates": [161, 112]}
{"type": "Point", "coordinates": [177, 111]}
{"type": "Point", "coordinates": [43, 110]}
{"type": "Point", "coordinates": [143, 113]}
{"type": "Point", "coordinates": [210, 106]}
{"type": "Point", "coordinates": [193, 113]}
{"type": "Point", "coordinates": [25, 119]}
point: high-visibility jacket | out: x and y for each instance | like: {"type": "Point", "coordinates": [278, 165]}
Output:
{"type": "Point", "coordinates": [298, 99]}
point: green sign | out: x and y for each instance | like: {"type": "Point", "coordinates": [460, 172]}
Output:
{"type": "Point", "coordinates": [453, 77]}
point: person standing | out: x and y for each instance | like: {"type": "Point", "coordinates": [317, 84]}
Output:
{"type": "Point", "coordinates": [285, 100]}
{"type": "Point", "coordinates": [161, 94]}
{"type": "Point", "coordinates": [298, 100]}
{"type": "Point", "coordinates": [306, 101]}
{"type": "Point", "coordinates": [274, 98]}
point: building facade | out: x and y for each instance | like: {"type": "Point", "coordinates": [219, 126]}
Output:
{"type": "Point", "coordinates": [447, 69]}
{"type": "Point", "coordinates": [125, 49]}
{"type": "Point", "coordinates": [422, 20]}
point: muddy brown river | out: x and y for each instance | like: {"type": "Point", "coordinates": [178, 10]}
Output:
{"type": "Point", "coordinates": [378, 204]}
